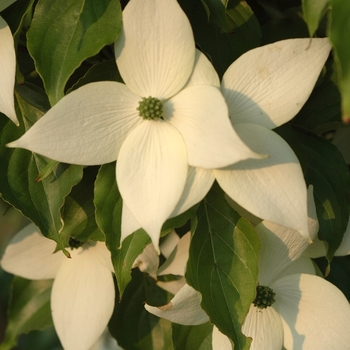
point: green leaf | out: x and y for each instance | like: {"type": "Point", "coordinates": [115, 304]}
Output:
{"type": "Point", "coordinates": [313, 11]}
{"type": "Point", "coordinates": [78, 212]}
{"type": "Point", "coordinates": [64, 33]}
{"type": "Point", "coordinates": [223, 265]}
{"type": "Point", "coordinates": [39, 201]}
{"type": "Point", "coordinates": [340, 26]}
{"type": "Point", "coordinates": [29, 309]}
{"type": "Point", "coordinates": [133, 326]}
{"type": "Point", "coordinates": [216, 12]}
{"type": "Point", "coordinates": [325, 169]}
{"type": "Point", "coordinates": [192, 337]}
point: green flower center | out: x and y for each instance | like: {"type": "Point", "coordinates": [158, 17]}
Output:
{"type": "Point", "coordinates": [150, 108]}
{"type": "Point", "coordinates": [265, 297]}
{"type": "Point", "coordinates": [74, 243]}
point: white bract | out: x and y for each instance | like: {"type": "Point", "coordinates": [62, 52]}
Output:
{"type": "Point", "coordinates": [7, 67]}
{"type": "Point", "coordinates": [82, 297]}
{"type": "Point", "coordinates": [307, 311]}
{"type": "Point", "coordinates": [154, 124]}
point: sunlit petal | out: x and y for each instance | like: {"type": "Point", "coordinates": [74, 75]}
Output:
{"type": "Point", "coordinates": [203, 72]}
{"type": "Point", "coordinates": [169, 243]}
{"type": "Point", "coordinates": [274, 188]}
{"type": "Point", "coordinates": [200, 114]}
{"type": "Point", "coordinates": [88, 126]}
{"type": "Point", "coordinates": [151, 174]}
{"type": "Point", "coordinates": [7, 70]}
{"type": "Point", "coordinates": [315, 314]}
{"type": "Point", "coordinates": [177, 261]}
{"type": "Point", "coordinates": [82, 300]}
{"type": "Point", "coordinates": [172, 286]}
{"type": "Point", "coordinates": [269, 85]}
{"type": "Point", "coordinates": [301, 265]}
{"type": "Point", "coordinates": [264, 326]}
{"type": "Point", "coordinates": [198, 183]}
{"type": "Point", "coordinates": [220, 341]}
{"type": "Point", "coordinates": [155, 52]}
{"type": "Point", "coordinates": [148, 261]}
{"type": "Point", "coordinates": [184, 308]}
{"type": "Point", "coordinates": [31, 255]}
{"type": "Point", "coordinates": [129, 223]}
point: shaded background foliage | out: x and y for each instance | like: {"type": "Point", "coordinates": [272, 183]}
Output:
{"type": "Point", "coordinates": [223, 33]}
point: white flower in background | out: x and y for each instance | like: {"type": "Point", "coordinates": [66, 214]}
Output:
{"type": "Point", "coordinates": [293, 308]}
{"type": "Point", "coordinates": [82, 297]}
{"type": "Point", "coordinates": [7, 67]}
{"type": "Point", "coordinates": [153, 124]}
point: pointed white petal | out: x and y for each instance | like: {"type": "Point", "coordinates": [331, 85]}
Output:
{"type": "Point", "coordinates": [220, 341]}
{"type": "Point", "coordinates": [129, 223]}
{"type": "Point", "coordinates": [264, 326]}
{"type": "Point", "coordinates": [200, 114]}
{"type": "Point", "coordinates": [148, 261]}
{"type": "Point", "coordinates": [151, 174]}
{"type": "Point", "coordinates": [88, 126]}
{"type": "Point", "coordinates": [177, 261]}
{"type": "Point", "coordinates": [301, 265]}
{"type": "Point", "coordinates": [203, 72]}
{"type": "Point", "coordinates": [198, 183]}
{"type": "Point", "coordinates": [183, 309]}
{"type": "Point", "coordinates": [269, 85]}
{"type": "Point", "coordinates": [7, 71]}
{"type": "Point", "coordinates": [280, 246]}
{"type": "Point", "coordinates": [315, 314]}
{"type": "Point", "coordinates": [82, 299]}
{"type": "Point", "coordinates": [273, 188]}
{"type": "Point", "coordinates": [169, 243]}
{"type": "Point", "coordinates": [155, 52]}
{"type": "Point", "coordinates": [172, 286]}
{"type": "Point", "coordinates": [31, 255]}
{"type": "Point", "coordinates": [5, 3]}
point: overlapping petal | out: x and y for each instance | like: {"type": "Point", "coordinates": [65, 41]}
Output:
{"type": "Point", "coordinates": [269, 85]}
{"type": "Point", "coordinates": [82, 299]}
{"type": "Point", "coordinates": [155, 52]}
{"type": "Point", "coordinates": [7, 69]}
{"type": "Point", "coordinates": [88, 126]}
{"type": "Point", "coordinates": [264, 326]}
{"type": "Point", "coordinates": [200, 114]}
{"type": "Point", "coordinates": [184, 308]}
{"type": "Point", "coordinates": [31, 255]}
{"type": "Point", "coordinates": [304, 301]}
{"type": "Point", "coordinates": [272, 188]}
{"type": "Point", "coordinates": [153, 187]}
{"type": "Point", "coordinates": [220, 341]}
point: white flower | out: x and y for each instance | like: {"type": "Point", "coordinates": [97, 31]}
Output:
{"type": "Point", "coordinates": [264, 88]}
{"type": "Point", "coordinates": [154, 125]}
{"type": "Point", "coordinates": [7, 67]}
{"type": "Point", "coordinates": [306, 311]}
{"type": "Point", "coordinates": [82, 297]}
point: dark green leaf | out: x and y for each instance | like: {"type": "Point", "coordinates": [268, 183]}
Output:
{"type": "Point", "coordinates": [325, 169]}
{"type": "Point", "coordinates": [313, 11]}
{"type": "Point", "coordinates": [192, 337]}
{"type": "Point", "coordinates": [39, 201]}
{"type": "Point", "coordinates": [223, 265]}
{"type": "Point", "coordinates": [338, 34]}
{"type": "Point", "coordinates": [133, 326]}
{"type": "Point", "coordinates": [29, 309]}
{"type": "Point", "coordinates": [64, 33]}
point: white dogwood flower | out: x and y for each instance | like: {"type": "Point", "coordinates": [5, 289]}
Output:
{"type": "Point", "coordinates": [154, 124]}
{"type": "Point", "coordinates": [293, 308]}
{"type": "Point", "coordinates": [7, 67]}
{"type": "Point", "coordinates": [82, 297]}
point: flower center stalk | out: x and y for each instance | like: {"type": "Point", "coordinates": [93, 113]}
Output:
{"type": "Point", "coordinates": [74, 243]}
{"type": "Point", "coordinates": [265, 297]}
{"type": "Point", "coordinates": [150, 108]}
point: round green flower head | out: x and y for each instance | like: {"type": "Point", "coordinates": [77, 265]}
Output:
{"type": "Point", "coordinates": [265, 297]}
{"type": "Point", "coordinates": [150, 108]}
{"type": "Point", "coordinates": [74, 243]}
